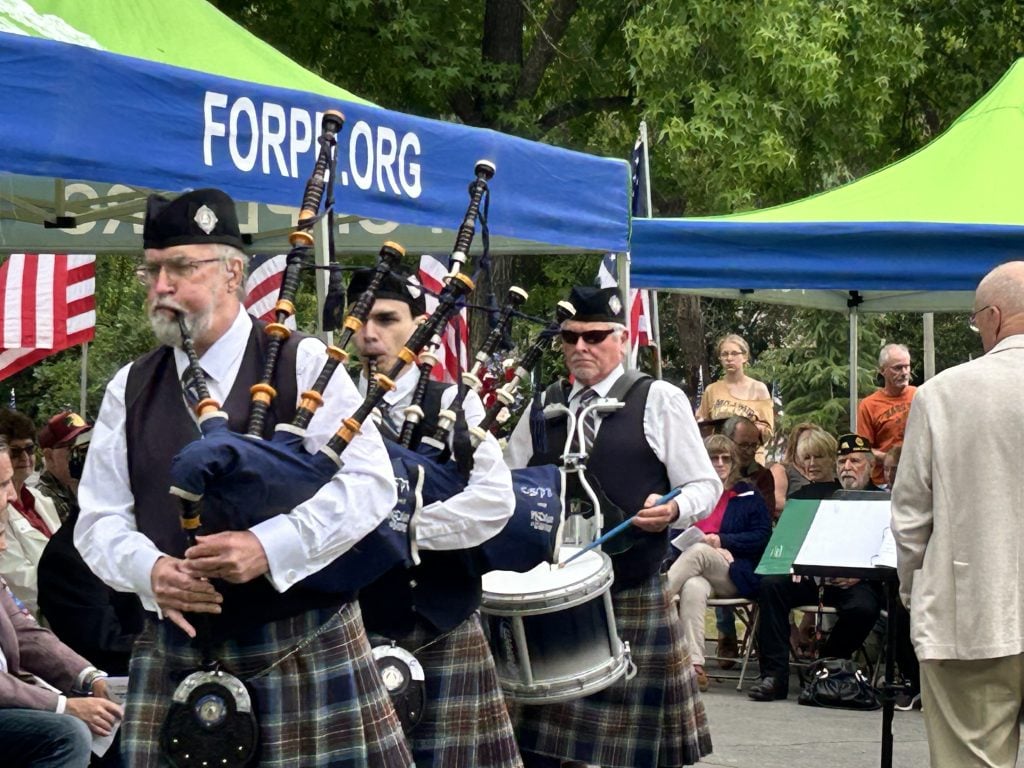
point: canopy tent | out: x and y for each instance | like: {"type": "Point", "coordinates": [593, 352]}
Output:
{"type": "Point", "coordinates": [914, 236]}
{"type": "Point", "coordinates": [124, 96]}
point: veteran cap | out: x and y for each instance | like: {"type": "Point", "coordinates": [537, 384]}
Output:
{"type": "Point", "coordinates": [62, 429]}
{"type": "Point", "coordinates": [595, 305]}
{"type": "Point", "coordinates": [853, 444]}
{"type": "Point", "coordinates": [197, 217]}
{"type": "Point", "coordinates": [396, 286]}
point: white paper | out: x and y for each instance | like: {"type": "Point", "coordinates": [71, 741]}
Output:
{"type": "Point", "coordinates": [118, 689]}
{"type": "Point", "coordinates": [886, 557]}
{"type": "Point", "coordinates": [847, 534]}
{"type": "Point", "coordinates": [689, 537]}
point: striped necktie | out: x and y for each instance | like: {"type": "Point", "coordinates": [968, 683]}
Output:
{"type": "Point", "coordinates": [587, 397]}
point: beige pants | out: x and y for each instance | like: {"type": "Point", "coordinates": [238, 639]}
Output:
{"type": "Point", "coordinates": [698, 573]}
{"type": "Point", "coordinates": [972, 711]}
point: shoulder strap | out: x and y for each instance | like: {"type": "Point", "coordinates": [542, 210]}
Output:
{"type": "Point", "coordinates": [625, 383]}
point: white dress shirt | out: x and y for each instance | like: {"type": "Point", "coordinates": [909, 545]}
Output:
{"type": "Point", "coordinates": [479, 512]}
{"type": "Point", "coordinates": [359, 496]}
{"type": "Point", "coordinates": [674, 438]}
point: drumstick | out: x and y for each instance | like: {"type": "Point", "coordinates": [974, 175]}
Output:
{"type": "Point", "coordinates": [622, 526]}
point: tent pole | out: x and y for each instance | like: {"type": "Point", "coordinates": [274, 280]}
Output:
{"type": "Point", "coordinates": [854, 356]}
{"type": "Point", "coordinates": [321, 258]}
{"type": "Point", "coordinates": [622, 268]}
{"type": "Point", "coordinates": [653, 293]}
{"type": "Point", "coordinates": [929, 344]}
{"type": "Point", "coordinates": [83, 380]}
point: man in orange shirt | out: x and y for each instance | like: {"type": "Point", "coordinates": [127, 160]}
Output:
{"type": "Point", "coordinates": [882, 416]}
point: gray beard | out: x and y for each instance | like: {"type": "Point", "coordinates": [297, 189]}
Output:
{"type": "Point", "coordinates": [168, 332]}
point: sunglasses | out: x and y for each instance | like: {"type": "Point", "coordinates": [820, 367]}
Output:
{"type": "Point", "coordinates": [25, 450]}
{"type": "Point", "coordinates": [590, 337]}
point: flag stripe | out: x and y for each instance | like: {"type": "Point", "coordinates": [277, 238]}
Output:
{"type": "Point", "coordinates": [49, 305]}
{"type": "Point", "coordinates": [453, 356]}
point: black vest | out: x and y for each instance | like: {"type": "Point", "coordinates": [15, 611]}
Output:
{"type": "Point", "coordinates": [158, 425]}
{"type": "Point", "coordinates": [628, 471]}
{"type": "Point", "coordinates": [439, 593]}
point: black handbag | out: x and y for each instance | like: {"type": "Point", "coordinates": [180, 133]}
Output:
{"type": "Point", "coordinates": [839, 684]}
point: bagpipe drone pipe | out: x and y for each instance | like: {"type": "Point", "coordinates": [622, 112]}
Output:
{"type": "Point", "coordinates": [532, 535]}
{"type": "Point", "coordinates": [232, 481]}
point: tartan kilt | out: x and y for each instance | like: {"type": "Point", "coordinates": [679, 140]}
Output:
{"type": "Point", "coordinates": [323, 706]}
{"type": "Point", "coordinates": [465, 722]}
{"type": "Point", "coordinates": [655, 720]}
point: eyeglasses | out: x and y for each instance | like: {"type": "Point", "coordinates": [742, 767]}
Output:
{"type": "Point", "coordinates": [970, 320]}
{"type": "Point", "coordinates": [176, 269]}
{"type": "Point", "coordinates": [748, 446]}
{"type": "Point", "coordinates": [721, 458]}
{"type": "Point", "coordinates": [590, 337]}
{"type": "Point", "coordinates": [727, 355]}
{"type": "Point", "coordinates": [18, 451]}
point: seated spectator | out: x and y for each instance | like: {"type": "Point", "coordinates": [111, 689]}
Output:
{"type": "Point", "coordinates": [31, 516]}
{"type": "Point", "coordinates": [788, 473]}
{"type": "Point", "coordinates": [857, 603]}
{"type": "Point", "coordinates": [816, 454]}
{"type": "Point", "coordinates": [735, 535]}
{"type": "Point", "coordinates": [745, 434]}
{"type": "Point", "coordinates": [891, 463]}
{"type": "Point", "coordinates": [56, 439]}
{"type": "Point", "coordinates": [855, 463]}
{"type": "Point", "coordinates": [38, 725]}
{"type": "Point", "coordinates": [96, 621]}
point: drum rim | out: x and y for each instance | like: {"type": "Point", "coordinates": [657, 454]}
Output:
{"type": "Point", "coordinates": [602, 574]}
{"type": "Point", "coordinates": [594, 679]}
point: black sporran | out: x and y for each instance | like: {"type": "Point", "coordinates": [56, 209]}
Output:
{"type": "Point", "coordinates": [839, 684]}
{"type": "Point", "coordinates": [211, 723]}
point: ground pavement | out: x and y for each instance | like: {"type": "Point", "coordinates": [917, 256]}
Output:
{"type": "Point", "coordinates": [783, 734]}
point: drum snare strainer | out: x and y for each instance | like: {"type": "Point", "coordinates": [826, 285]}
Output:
{"type": "Point", "coordinates": [552, 631]}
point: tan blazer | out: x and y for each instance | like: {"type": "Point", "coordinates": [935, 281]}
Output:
{"type": "Point", "coordinates": [958, 509]}
{"type": "Point", "coordinates": [24, 548]}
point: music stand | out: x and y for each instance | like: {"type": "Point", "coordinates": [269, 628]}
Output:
{"type": "Point", "coordinates": [891, 585]}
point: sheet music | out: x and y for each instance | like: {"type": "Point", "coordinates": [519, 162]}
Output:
{"type": "Point", "coordinates": [847, 533]}
{"type": "Point", "coordinates": [886, 557]}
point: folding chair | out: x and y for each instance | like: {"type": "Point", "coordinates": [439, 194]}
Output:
{"type": "Point", "coordinates": [747, 612]}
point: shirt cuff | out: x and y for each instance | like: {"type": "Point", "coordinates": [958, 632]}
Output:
{"type": "Point", "coordinates": [283, 547]}
{"type": "Point", "coordinates": [62, 703]}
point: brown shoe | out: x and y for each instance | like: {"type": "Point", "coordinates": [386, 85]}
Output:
{"type": "Point", "coordinates": [702, 677]}
{"type": "Point", "coordinates": [728, 649]}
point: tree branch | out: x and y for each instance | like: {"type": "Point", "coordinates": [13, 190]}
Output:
{"type": "Point", "coordinates": [544, 47]}
{"type": "Point", "coordinates": [577, 107]}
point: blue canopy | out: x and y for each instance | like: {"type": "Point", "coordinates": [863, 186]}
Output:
{"type": "Point", "coordinates": [75, 112]}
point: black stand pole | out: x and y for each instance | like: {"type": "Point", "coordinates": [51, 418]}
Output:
{"type": "Point", "coordinates": [888, 689]}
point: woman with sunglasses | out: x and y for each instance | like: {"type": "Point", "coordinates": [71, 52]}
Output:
{"type": "Point", "coordinates": [735, 535]}
{"type": "Point", "coordinates": [736, 393]}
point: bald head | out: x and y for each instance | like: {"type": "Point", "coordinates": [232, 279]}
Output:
{"type": "Point", "coordinates": [999, 303]}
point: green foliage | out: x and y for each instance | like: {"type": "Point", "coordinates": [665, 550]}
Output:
{"type": "Point", "coordinates": [812, 369]}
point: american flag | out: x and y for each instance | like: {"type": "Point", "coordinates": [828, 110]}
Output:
{"type": "Point", "coordinates": [266, 272]}
{"type": "Point", "coordinates": [639, 307]}
{"type": "Point", "coordinates": [452, 356]}
{"type": "Point", "coordinates": [49, 305]}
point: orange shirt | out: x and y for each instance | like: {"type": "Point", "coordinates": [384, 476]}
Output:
{"type": "Point", "coordinates": [882, 420]}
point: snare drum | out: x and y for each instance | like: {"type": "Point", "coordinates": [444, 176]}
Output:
{"type": "Point", "coordinates": [552, 630]}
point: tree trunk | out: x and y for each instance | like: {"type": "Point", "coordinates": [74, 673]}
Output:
{"type": "Point", "coordinates": [689, 326]}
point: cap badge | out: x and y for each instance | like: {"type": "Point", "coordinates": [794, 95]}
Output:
{"type": "Point", "coordinates": [614, 305]}
{"type": "Point", "coordinates": [205, 219]}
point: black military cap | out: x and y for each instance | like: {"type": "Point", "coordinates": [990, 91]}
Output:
{"type": "Point", "coordinates": [595, 305]}
{"type": "Point", "coordinates": [197, 217]}
{"type": "Point", "coordinates": [395, 286]}
{"type": "Point", "coordinates": [853, 444]}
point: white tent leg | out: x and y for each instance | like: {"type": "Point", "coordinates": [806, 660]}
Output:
{"type": "Point", "coordinates": [854, 318]}
{"type": "Point", "coordinates": [622, 268]}
{"type": "Point", "coordinates": [83, 380]}
{"type": "Point", "coordinates": [929, 344]}
{"type": "Point", "coordinates": [321, 258]}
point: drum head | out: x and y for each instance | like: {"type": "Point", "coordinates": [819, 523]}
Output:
{"type": "Point", "coordinates": [546, 577]}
